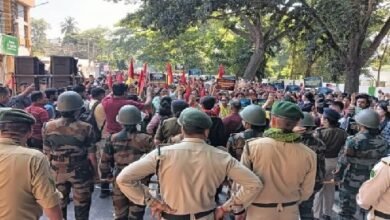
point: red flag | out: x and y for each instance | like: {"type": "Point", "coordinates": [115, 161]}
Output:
{"type": "Point", "coordinates": [131, 69]}
{"type": "Point", "coordinates": [145, 69]}
{"type": "Point", "coordinates": [119, 77]}
{"type": "Point", "coordinates": [169, 74]}
{"type": "Point", "coordinates": [141, 82]}
{"type": "Point", "coordinates": [183, 79]}
{"type": "Point", "coordinates": [187, 93]}
{"type": "Point", "coordinates": [221, 71]}
{"type": "Point", "coordinates": [109, 80]}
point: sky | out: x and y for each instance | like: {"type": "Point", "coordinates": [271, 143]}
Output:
{"type": "Point", "coordinates": [88, 13]}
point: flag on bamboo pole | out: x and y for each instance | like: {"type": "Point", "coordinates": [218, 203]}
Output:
{"type": "Point", "coordinates": [221, 71]}
{"type": "Point", "coordinates": [183, 79]}
{"type": "Point", "coordinates": [130, 74]}
{"type": "Point", "coordinates": [141, 82]}
{"type": "Point", "coordinates": [169, 74]}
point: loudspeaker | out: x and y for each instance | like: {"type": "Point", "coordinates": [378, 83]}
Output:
{"type": "Point", "coordinates": [61, 81]}
{"type": "Point", "coordinates": [60, 65]}
{"type": "Point", "coordinates": [28, 80]}
{"type": "Point", "coordinates": [28, 66]}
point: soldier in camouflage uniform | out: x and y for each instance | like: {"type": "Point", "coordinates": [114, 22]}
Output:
{"type": "Point", "coordinates": [68, 145]}
{"type": "Point", "coordinates": [170, 127]}
{"type": "Point", "coordinates": [122, 149]}
{"type": "Point", "coordinates": [306, 127]}
{"type": "Point", "coordinates": [360, 155]}
{"type": "Point", "coordinates": [254, 121]}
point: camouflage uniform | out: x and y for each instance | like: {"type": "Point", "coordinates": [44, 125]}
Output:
{"type": "Point", "coordinates": [67, 143]}
{"type": "Point", "coordinates": [360, 155]}
{"type": "Point", "coordinates": [236, 142]}
{"type": "Point", "coordinates": [306, 207]}
{"type": "Point", "coordinates": [121, 150]}
{"type": "Point", "coordinates": [167, 130]}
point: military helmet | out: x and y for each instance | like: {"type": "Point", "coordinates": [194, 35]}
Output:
{"type": "Point", "coordinates": [368, 118]}
{"type": "Point", "coordinates": [307, 121]}
{"type": "Point", "coordinates": [129, 115]}
{"type": "Point", "coordinates": [254, 115]}
{"type": "Point", "coordinates": [69, 101]}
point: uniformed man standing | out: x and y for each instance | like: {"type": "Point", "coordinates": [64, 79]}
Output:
{"type": "Point", "coordinates": [26, 184]}
{"type": "Point", "coordinates": [254, 122]}
{"type": "Point", "coordinates": [361, 153]}
{"type": "Point", "coordinates": [287, 167]}
{"type": "Point", "coordinates": [170, 127]}
{"type": "Point", "coordinates": [67, 142]}
{"type": "Point", "coordinates": [306, 127]}
{"type": "Point", "coordinates": [122, 149]}
{"type": "Point", "coordinates": [189, 174]}
{"type": "Point", "coordinates": [374, 194]}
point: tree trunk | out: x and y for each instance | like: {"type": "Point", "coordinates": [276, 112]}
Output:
{"type": "Point", "coordinates": [352, 75]}
{"type": "Point", "coordinates": [254, 64]}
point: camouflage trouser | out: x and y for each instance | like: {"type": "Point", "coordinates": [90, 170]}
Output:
{"type": "Point", "coordinates": [348, 204]}
{"type": "Point", "coordinates": [125, 209]}
{"type": "Point", "coordinates": [104, 187]}
{"type": "Point", "coordinates": [82, 191]}
{"type": "Point", "coordinates": [306, 209]}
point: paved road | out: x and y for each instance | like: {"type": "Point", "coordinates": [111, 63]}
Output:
{"type": "Point", "coordinates": [102, 208]}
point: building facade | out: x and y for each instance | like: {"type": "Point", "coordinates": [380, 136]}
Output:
{"type": "Point", "coordinates": [15, 34]}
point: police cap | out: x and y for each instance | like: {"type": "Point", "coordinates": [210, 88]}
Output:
{"type": "Point", "coordinates": [192, 117]}
{"type": "Point", "coordinates": [12, 115]}
{"type": "Point", "coordinates": [287, 110]}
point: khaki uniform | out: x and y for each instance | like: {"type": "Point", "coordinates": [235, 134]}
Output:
{"type": "Point", "coordinates": [375, 192]}
{"type": "Point", "coordinates": [288, 171]}
{"type": "Point", "coordinates": [190, 173]}
{"type": "Point", "coordinates": [26, 182]}
{"type": "Point", "coordinates": [67, 143]}
{"type": "Point", "coordinates": [117, 154]}
{"type": "Point", "coordinates": [167, 130]}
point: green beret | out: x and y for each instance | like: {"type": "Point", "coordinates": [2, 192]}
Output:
{"type": "Point", "coordinates": [12, 115]}
{"type": "Point", "coordinates": [192, 117]}
{"type": "Point", "coordinates": [287, 110]}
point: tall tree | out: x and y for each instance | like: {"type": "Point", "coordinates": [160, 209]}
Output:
{"type": "Point", "coordinates": [353, 29]}
{"type": "Point", "coordinates": [262, 23]}
{"type": "Point", "coordinates": [69, 26]}
{"type": "Point", "coordinates": [38, 36]}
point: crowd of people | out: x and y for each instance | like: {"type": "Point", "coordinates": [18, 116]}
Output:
{"type": "Point", "coordinates": [282, 155]}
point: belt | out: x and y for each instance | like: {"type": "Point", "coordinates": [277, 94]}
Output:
{"type": "Point", "coordinates": [186, 217]}
{"type": "Point", "coordinates": [381, 214]}
{"type": "Point", "coordinates": [274, 205]}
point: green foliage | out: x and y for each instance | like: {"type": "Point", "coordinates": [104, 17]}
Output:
{"type": "Point", "coordinates": [38, 36]}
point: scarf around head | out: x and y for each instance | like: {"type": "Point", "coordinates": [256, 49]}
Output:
{"type": "Point", "coordinates": [279, 135]}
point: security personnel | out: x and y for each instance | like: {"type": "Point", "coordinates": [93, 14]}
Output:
{"type": "Point", "coordinates": [67, 142]}
{"type": "Point", "coordinates": [287, 167]}
{"type": "Point", "coordinates": [122, 149]}
{"type": "Point", "coordinates": [254, 121]}
{"type": "Point", "coordinates": [170, 127]}
{"type": "Point", "coordinates": [361, 153]}
{"type": "Point", "coordinates": [374, 194]}
{"type": "Point", "coordinates": [189, 174]}
{"type": "Point", "coordinates": [27, 185]}
{"type": "Point", "coordinates": [334, 139]}
{"type": "Point", "coordinates": [306, 127]}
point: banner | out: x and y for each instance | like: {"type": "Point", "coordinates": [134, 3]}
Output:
{"type": "Point", "coordinates": [9, 45]}
{"type": "Point", "coordinates": [157, 78]}
{"type": "Point", "coordinates": [226, 84]}
{"type": "Point", "coordinates": [313, 82]}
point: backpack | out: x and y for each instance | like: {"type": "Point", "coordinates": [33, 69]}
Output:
{"type": "Point", "coordinates": [88, 116]}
